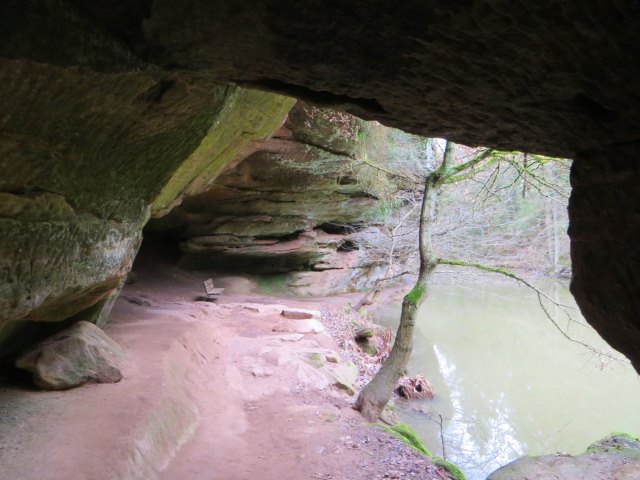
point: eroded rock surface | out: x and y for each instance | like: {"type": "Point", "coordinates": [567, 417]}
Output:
{"type": "Point", "coordinates": [299, 326]}
{"type": "Point", "coordinates": [82, 353]}
{"type": "Point", "coordinates": [86, 166]}
{"type": "Point", "coordinates": [345, 376]}
{"type": "Point", "coordinates": [292, 207]}
{"type": "Point", "coordinates": [613, 458]}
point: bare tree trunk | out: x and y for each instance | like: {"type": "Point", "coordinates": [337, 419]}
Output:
{"type": "Point", "coordinates": [377, 393]}
{"type": "Point", "coordinates": [375, 396]}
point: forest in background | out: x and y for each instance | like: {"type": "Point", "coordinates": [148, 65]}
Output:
{"type": "Point", "coordinates": [510, 212]}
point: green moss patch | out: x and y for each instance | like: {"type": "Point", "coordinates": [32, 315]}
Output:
{"type": "Point", "coordinates": [274, 284]}
{"type": "Point", "coordinates": [416, 293]}
{"type": "Point", "coordinates": [617, 441]}
{"type": "Point", "coordinates": [246, 116]}
{"type": "Point", "coordinates": [406, 434]}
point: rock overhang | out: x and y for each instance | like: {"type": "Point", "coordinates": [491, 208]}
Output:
{"type": "Point", "coordinates": [555, 77]}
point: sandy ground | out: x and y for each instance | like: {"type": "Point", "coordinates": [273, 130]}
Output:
{"type": "Point", "coordinates": [209, 392]}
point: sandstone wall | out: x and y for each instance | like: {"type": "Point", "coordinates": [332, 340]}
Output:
{"type": "Point", "coordinates": [292, 207]}
{"type": "Point", "coordinates": [87, 158]}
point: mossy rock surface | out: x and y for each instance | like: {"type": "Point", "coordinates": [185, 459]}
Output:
{"type": "Point", "coordinates": [90, 156]}
{"type": "Point", "coordinates": [615, 457]}
{"type": "Point", "coordinates": [363, 334]}
{"type": "Point", "coordinates": [406, 434]}
{"type": "Point", "coordinates": [367, 347]}
{"type": "Point", "coordinates": [316, 360]}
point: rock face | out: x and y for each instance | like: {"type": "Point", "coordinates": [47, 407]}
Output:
{"type": "Point", "coordinates": [80, 182]}
{"type": "Point", "coordinates": [552, 77]}
{"type": "Point", "coordinates": [103, 103]}
{"type": "Point", "coordinates": [291, 207]}
{"type": "Point", "coordinates": [604, 231]}
{"type": "Point", "coordinates": [79, 354]}
{"type": "Point", "coordinates": [613, 458]}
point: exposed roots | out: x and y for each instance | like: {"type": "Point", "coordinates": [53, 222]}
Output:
{"type": "Point", "coordinates": [416, 387]}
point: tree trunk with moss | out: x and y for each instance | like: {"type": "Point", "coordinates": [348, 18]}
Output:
{"type": "Point", "coordinates": [377, 393]}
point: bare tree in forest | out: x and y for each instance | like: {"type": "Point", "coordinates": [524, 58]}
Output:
{"type": "Point", "coordinates": [377, 393]}
{"type": "Point", "coordinates": [482, 167]}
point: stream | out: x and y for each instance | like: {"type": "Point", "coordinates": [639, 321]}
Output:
{"type": "Point", "coordinates": [507, 382]}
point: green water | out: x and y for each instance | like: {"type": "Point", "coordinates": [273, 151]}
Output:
{"type": "Point", "coordinates": [507, 383]}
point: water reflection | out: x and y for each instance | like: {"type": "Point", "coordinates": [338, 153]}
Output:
{"type": "Point", "coordinates": [507, 383]}
{"type": "Point", "coordinates": [491, 438]}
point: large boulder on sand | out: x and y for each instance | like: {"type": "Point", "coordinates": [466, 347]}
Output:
{"type": "Point", "coordinates": [79, 354]}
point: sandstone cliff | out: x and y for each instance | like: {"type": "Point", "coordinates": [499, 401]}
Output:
{"type": "Point", "coordinates": [292, 207]}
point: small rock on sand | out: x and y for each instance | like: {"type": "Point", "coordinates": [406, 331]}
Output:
{"type": "Point", "coordinates": [332, 357]}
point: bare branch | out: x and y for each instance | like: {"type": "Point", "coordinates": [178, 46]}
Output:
{"type": "Point", "coordinates": [366, 161]}
{"type": "Point", "coordinates": [474, 161]}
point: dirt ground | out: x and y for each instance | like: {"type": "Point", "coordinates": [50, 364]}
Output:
{"type": "Point", "coordinates": [210, 392]}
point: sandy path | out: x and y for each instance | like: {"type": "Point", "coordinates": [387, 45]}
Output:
{"type": "Point", "coordinates": [208, 393]}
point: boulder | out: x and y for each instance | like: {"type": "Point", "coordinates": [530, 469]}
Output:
{"type": "Point", "coordinates": [79, 354]}
{"type": "Point", "coordinates": [345, 376]}
{"type": "Point", "coordinates": [363, 334]}
{"type": "Point", "coordinates": [616, 457]}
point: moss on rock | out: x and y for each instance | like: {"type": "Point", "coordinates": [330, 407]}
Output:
{"type": "Point", "coordinates": [615, 457]}
{"type": "Point", "coordinates": [406, 434]}
{"type": "Point", "coordinates": [85, 159]}
{"type": "Point", "coordinates": [247, 116]}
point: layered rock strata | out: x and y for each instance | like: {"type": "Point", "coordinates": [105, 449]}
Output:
{"type": "Point", "coordinates": [292, 207]}
{"type": "Point", "coordinates": [555, 77]}
{"type": "Point", "coordinates": [87, 158]}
